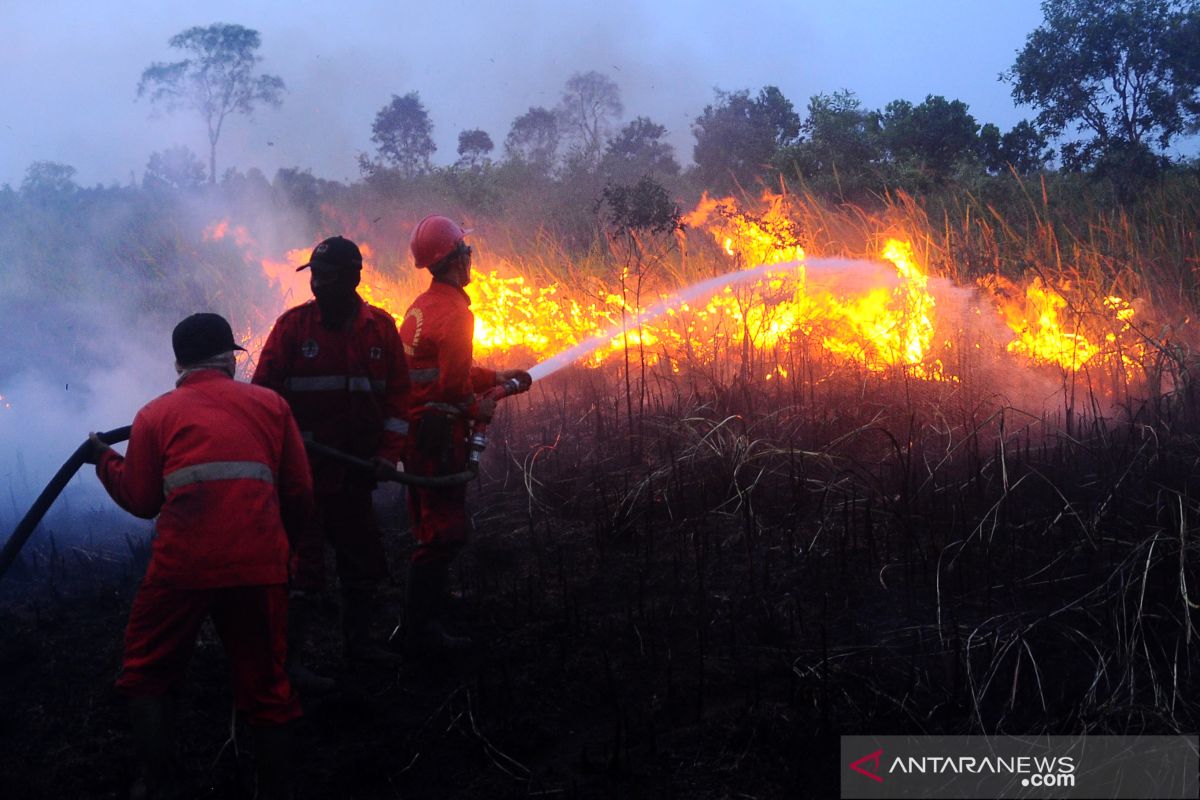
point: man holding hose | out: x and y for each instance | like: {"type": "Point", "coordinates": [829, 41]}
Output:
{"type": "Point", "coordinates": [222, 466]}
{"type": "Point", "coordinates": [444, 400]}
{"type": "Point", "coordinates": [339, 363]}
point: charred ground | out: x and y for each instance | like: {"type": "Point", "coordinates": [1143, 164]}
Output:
{"type": "Point", "coordinates": [698, 608]}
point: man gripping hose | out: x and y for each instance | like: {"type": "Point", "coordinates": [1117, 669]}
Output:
{"type": "Point", "coordinates": [438, 331]}
{"type": "Point", "coordinates": [222, 466]}
{"type": "Point", "coordinates": [339, 363]}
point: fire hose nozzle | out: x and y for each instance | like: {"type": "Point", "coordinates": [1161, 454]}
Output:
{"type": "Point", "coordinates": [515, 385]}
{"type": "Point", "coordinates": [476, 447]}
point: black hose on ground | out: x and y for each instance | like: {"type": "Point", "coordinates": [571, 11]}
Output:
{"type": "Point", "coordinates": [422, 481]}
{"type": "Point", "coordinates": [53, 489]}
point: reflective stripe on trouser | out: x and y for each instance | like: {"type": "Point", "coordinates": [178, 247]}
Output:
{"type": "Point", "coordinates": [396, 425]}
{"type": "Point", "coordinates": [251, 622]}
{"type": "Point", "coordinates": [217, 471]}
{"type": "Point", "coordinates": [429, 375]}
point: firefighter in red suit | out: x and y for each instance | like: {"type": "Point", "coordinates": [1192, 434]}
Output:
{"type": "Point", "coordinates": [339, 363]}
{"type": "Point", "coordinates": [222, 466]}
{"type": "Point", "coordinates": [437, 331]}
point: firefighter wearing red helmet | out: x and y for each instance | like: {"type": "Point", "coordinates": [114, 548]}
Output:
{"type": "Point", "coordinates": [437, 332]}
{"type": "Point", "coordinates": [222, 466]}
{"type": "Point", "coordinates": [339, 363]}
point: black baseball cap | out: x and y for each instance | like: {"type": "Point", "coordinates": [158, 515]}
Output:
{"type": "Point", "coordinates": [336, 251]}
{"type": "Point", "coordinates": [202, 336]}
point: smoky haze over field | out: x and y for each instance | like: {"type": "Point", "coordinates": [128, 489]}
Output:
{"type": "Point", "coordinates": [475, 66]}
{"type": "Point", "coordinates": [88, 317]}
{"type": "Point", "coordinates": [92, 280]}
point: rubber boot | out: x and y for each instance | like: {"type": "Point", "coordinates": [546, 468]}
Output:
{"type": "Point", "coordinates": [359, 598]}
{"type": "Point", "coordinates": [152, 720]}
{"type": "Point", "coordinates": [424, 633]}
{"type": "Point", "coordinates": [300, 613]}
{"type": "Point", "coordinates": [274, 763]}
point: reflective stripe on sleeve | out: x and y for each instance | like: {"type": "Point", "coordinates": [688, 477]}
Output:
{"type": "Point", "coordinates": [396, 425]}
{"type": "Point", "coordinates": [424, 375]}
{"type": "Point", "coordinates": [335, 383]}
{"type": "Point", "coordinates": [317, 383]}
{"type": "Point", "coordinates": [217, 471]}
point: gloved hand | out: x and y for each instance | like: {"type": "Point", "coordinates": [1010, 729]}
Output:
{"type": "Point", "coordinates": [95, 449]}
{"type": "Point", "coordinates": [521, 376]}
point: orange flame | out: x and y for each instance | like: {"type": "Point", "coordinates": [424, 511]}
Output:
{"type": "Point", "coordinates": [878, 317]}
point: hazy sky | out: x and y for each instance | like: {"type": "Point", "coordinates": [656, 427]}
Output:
{"type": "Point", "coordinates": [69, 70]}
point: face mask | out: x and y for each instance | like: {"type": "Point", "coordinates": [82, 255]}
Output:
{"type": "Point", "coordinates": [337, 299]}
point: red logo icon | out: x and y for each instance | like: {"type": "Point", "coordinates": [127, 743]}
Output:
{"type": "Point", "coordinates": [873, 759]}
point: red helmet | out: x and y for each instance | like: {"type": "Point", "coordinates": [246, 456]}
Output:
{"type": "Point", "coordinates": [435, 238]}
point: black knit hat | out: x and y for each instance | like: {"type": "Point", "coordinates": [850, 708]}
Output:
{"type": "Point", "coordinates": [202, 336]}
{"type": "Point", "coordinates": [336, 251]}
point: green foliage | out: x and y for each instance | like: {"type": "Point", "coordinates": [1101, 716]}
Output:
{"type": "Point", "coordinates": [935, 135]}
{"type": "Point", "coordinates": [473, 148]}
{"type": "Point", "coordinates": [638, 150]}
{"type": "Point", "coordinates": [842, 152]}
{"type": "Point", "coordinates": [48, 180]}
{"type": "Point", "coordinates": [738, 135]}
{"type": "Point", "coordinates": [533, 140]}
{"type": "Point", "coordinates": [404, 134]}
{"type": "Point", "coordinates": [1121, 72]}
{"type": "Point", "coordinates": [643, 207]}
{"type": "Point", "coordinates": [1023, 148]}
{"type": "Point", "coordinates": [217, 79]}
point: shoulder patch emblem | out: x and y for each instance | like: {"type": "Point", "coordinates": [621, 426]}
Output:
{"type": "Point", "coordinates": [376, 353]}
{"type": "Point", "coordinates": [414, 330]}
{"type": "Point", "coordinates": [309, 349]}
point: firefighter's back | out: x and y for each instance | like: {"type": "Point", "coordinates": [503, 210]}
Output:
{"type": "Point", "coordinates": [221, 445]}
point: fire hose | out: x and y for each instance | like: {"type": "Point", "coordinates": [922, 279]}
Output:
{"type": "Point", "coordinates": [53, 489]}
{"type": "Point", "coordinates": [477, 444]}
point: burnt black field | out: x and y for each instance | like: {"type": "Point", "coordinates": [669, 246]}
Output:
{"type": "Point", "coordinates": [695, 605]}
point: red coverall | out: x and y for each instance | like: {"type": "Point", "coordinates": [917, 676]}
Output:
{"type": "Point", "coordinates": [222, 465]}
{"type": "Point", "coordinates": [348, 390]}
{"type": "Point", "coordinates": [438, 332]}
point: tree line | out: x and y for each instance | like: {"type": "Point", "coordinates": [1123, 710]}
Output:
{"type": "Point", "coordinates": [1113, 84]}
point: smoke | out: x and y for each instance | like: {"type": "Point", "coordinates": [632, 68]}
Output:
{"type": "Point", "coordinates": [101, 279]}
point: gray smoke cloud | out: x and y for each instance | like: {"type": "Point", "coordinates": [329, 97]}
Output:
{"type": "Point", "coordinates": [88, 308]}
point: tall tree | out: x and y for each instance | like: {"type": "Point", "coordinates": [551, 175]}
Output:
{"type": "Point", "coordinates": [1121, 72]}
{"type": "Point", "coordinates": [473, 148]}
{"type": "Point", "coordinates": [217, 79]}
{"type": "Point", "coordinates": [404, 134]}
{"type": "Point", "coordinates": [739, 136]}
{"type": "Point", "coordinates": [842, 135]}
{"type": "Point", "coordinates": [935, 134]}
{"type": "Point", "coordinates": [638, 150]}
{"type": "Point", "coordinates": [533, 140]}
{"type": "Point", "coordinates": [1024, 148]}
{"type": "Point", "coordinates": [590, 104]}
{"type": "Point", "coordinates": [48, 179]}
